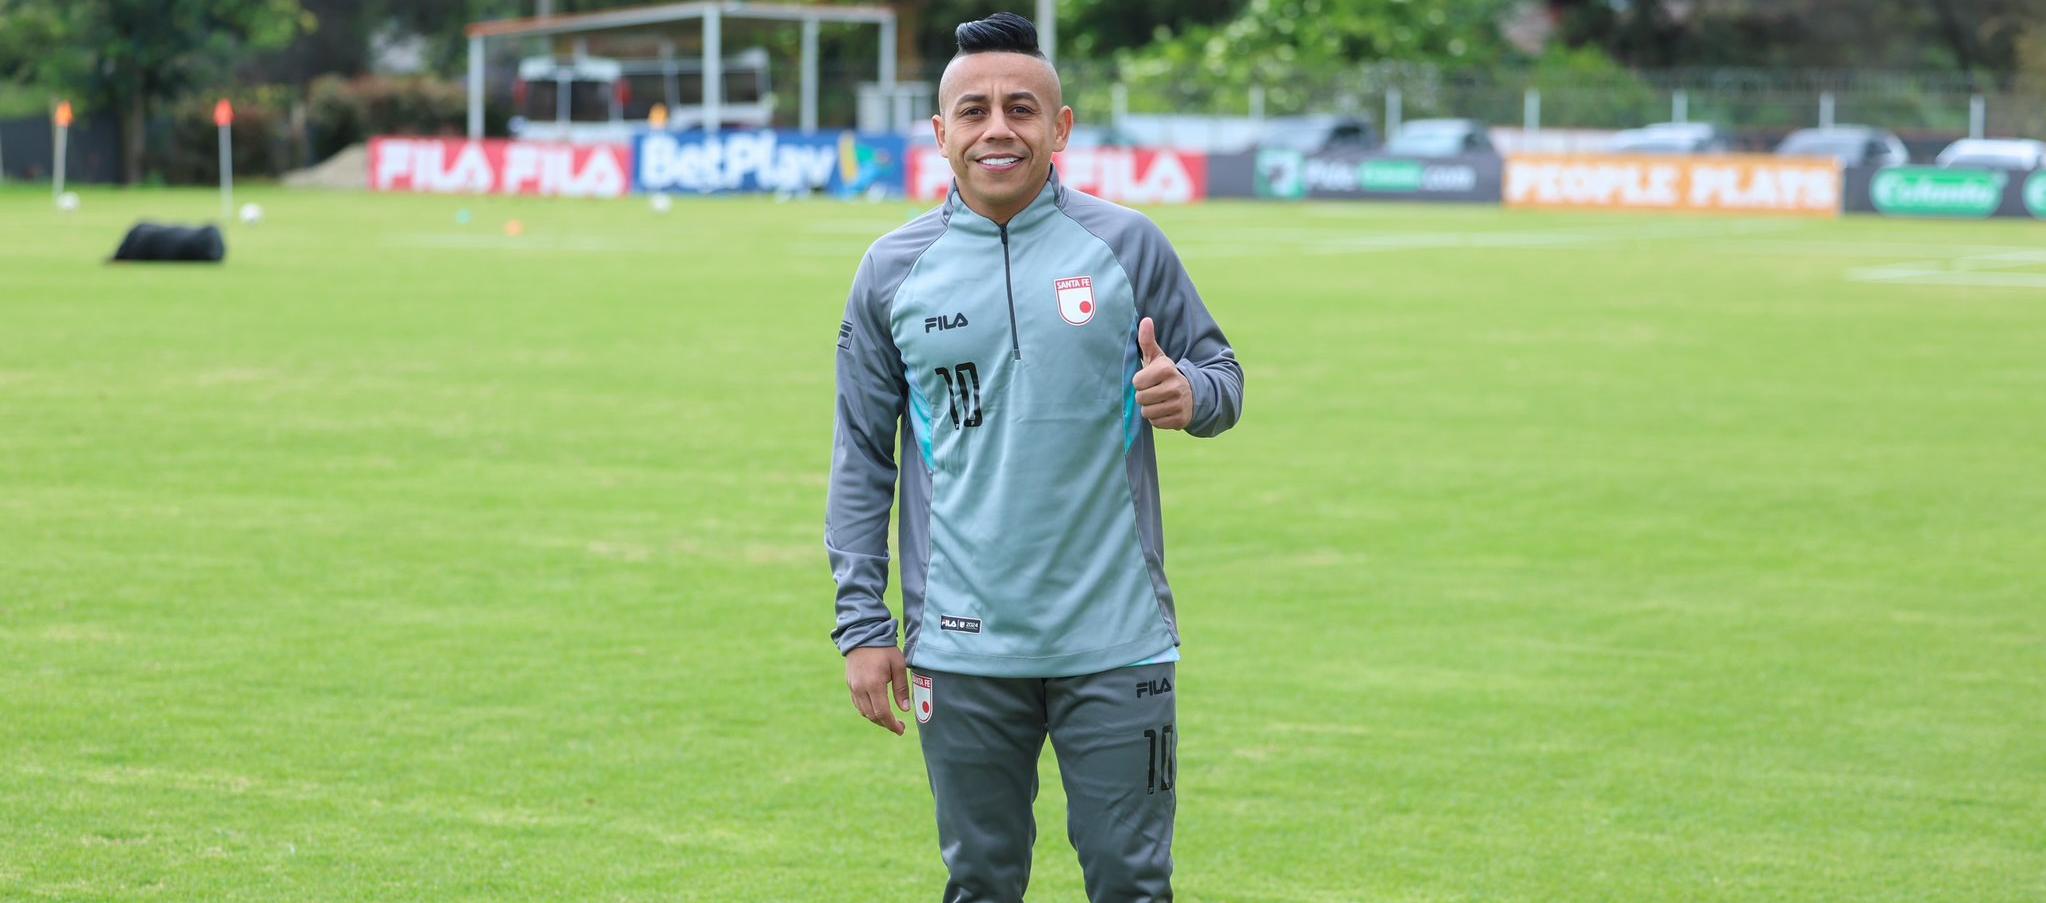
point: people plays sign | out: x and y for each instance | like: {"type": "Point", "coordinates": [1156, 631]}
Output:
{"type": "Point", "coordinates": [1803, 186]}
{"type": "Point", "coordinates": [455, 166]}
{"type": "Point", "coordinates": [1125, 175]}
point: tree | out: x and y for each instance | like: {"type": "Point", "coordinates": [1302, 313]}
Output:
{"type": "Point", "coordinates": [132, 55]}
{"type": "Point", "coordinates": [1973, 37]}
{"type": "Point", "coordinates": [1292, 48]}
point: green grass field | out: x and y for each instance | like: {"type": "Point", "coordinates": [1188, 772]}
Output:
{"type": "Point", "coordinates": [1557, 558]}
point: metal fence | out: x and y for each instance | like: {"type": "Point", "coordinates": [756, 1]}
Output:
{"type": "Point", "coordinates": [92, 150]}
{"type": "Point", "coordinates": [1926, 109]}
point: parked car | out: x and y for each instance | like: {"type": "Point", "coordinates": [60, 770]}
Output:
{"type": "Point", "coordinates": [1673, 138]}
{"type": "Point", "coordinates": [1440, 138]}
{"type": "Point", "coordinates": [1089, 137]}
{"type": "Point", "coordinates": [1852, 145]}
{"type": "Point", "coordinates": [1192, 133]}
{"type": "Point", "coordinates": [1994, 153]}
{"type": "Point", "coordinates": [1315, 134]}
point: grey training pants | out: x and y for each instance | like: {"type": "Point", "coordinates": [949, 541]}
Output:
{"type": "Point", "coordinates": [1117, 754]}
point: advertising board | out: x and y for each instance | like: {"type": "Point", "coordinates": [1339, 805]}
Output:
{"type": "Point", "coordinates": [1799, 186]}
{"type": "Point", "coordinates": [1125, 175]}
{"type": "Point", "coordinates": [491, 166]}
{"type": "Point", "coordinates": [1927, 191]}
{"type": "Point", "coordinates": [1357, 175]}
{"type": "Point", "coordinates": [766, 160]}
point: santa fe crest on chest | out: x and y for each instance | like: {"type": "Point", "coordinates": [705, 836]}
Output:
{"type": "Point", "coordinates": [1076, 299]}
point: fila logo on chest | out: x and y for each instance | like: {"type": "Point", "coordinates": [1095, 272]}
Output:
{"type": "Point", "coordinates": [1076, 299]}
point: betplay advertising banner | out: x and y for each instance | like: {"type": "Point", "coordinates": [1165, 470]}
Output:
{"type": "Point", "coordinates": [842, 163]}
{"type": "Point", "coordinates": [1124, 175]}
{"type": "Point", "coordinates": [1799, 186]}
{"type": "Point", "coordinates": [490, 166]}
{"type": "Point", "coordinates": [1291, 175]}
{"type": "Point", "coordinates": [1926, 191]}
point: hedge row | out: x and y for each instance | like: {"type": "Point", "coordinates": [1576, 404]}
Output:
{"type": "Point", "coordinates": [277, 129]}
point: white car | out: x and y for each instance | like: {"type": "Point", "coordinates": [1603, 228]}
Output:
{"type": "Point", "coordinates": [1994, 153]}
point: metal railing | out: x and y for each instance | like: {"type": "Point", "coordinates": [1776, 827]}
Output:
{"type": "Point", "coordinates": [1758, 106]}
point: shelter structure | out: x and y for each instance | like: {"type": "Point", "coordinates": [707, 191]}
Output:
{"type": "Point", "coordinates": [713, 14]}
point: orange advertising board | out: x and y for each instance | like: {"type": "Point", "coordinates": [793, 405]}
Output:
{"type": "Point", "coordinates": [1738, 183]}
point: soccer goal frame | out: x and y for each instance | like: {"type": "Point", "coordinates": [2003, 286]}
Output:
{"type": "Point", "coordinates": [713, 16]}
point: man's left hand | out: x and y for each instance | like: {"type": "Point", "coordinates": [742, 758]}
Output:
{"type": "Point", "coordinates": [1163, 395]}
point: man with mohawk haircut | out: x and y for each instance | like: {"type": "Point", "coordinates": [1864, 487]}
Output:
{"type": "Point", "coordinates": [1029, 339]}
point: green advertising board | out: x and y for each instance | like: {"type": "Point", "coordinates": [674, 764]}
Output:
{"type": "Point", "coordinates": [1389, 175]}
{"type": "Point", "coordinates": [1925, 191]}
{"type": "Point", "coordinates": [1349, 174]}
{"type": "Point", "coordinates": [2035, 194]}
{"type": "Point", "coordinates": [1281, 174]}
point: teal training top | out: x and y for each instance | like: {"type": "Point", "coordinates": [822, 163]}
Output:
{"type": "Point", "coordinates": [1031, 539]}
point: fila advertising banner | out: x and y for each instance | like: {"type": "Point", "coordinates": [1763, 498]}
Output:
{"type": "Point", "coordinates": [1125, 175]}
{"type": "Point", "coordinates": [856, 164]}
{"type": "Point", "coordinates": [843, 163]}
{"type": "Point", "coordinates": [1926, 191]}
{"type": "Point", "coordinates": [490, 166]}
{"type": "Point", "coordinates": [1735, 183]}
{"type": "Point", "coordinates": [763, 161]}
{"type": "Point", "coordinates": [1358, 175]}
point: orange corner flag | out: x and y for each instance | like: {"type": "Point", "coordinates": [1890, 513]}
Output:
{"type": "Point", "coordinates": [223, 113]}
{"type": "Point", "coordinates": [63, 115]}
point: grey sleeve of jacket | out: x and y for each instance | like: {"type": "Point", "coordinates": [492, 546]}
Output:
{"type": "Point", "coordinates": [1188, 335]}
{"type": "Point", "coordinates": [871, 392]}
{"type": "Point", "coordinates": [1186, 332]}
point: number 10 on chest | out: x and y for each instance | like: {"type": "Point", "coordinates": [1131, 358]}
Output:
{"type": "Point", "coordinates": [962, 393]}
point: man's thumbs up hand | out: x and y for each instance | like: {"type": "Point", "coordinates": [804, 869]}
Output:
{"type": "Point", "coordinates": [1163, 395]}
{"type": "Point", "coordinates": [1147, 341]}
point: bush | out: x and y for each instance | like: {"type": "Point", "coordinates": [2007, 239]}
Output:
{"type": "Point", "coordinates": [184, 143]}
{"type": "Point", "coordinates": [344, 111]}
{"type": "Point", "coordinates": [1584, 88]}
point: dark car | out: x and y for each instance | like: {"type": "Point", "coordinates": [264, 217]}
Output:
{"type": "Point", "coordinates": [1672, 138]}
{"type": "Point", "coordinates": [1315, 134]}
{"type": "Point", "coordinates": [1852, 145]}
{"type": "Point", "coordinates": [1440, 138]}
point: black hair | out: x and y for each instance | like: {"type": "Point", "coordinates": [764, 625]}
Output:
{"type": "Point", "coordinates": [999, 33]}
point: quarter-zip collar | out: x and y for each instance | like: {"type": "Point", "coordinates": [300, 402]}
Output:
{"type": "Point", "coordinates": [1041, 210]}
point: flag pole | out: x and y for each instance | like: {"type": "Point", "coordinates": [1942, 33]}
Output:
{"type": "Point", "coordinates": [223, 117]}
{"type": "Point", "coordinates": [62, 120]}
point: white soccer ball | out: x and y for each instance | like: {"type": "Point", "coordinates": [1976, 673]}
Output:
{"type": "Point", "coordinates": [68, 201]}
{"type": "Point", "coordinates": [252, 214]}
{"type": "Point", "coordinates": [661, 203]}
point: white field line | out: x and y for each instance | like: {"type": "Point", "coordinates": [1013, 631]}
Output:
{"type": "Point", "coordinates": [870, 229]}
{"type": "Point", "coordinates": [1264, 240]}
{"type": "Point", "coordinates": [2005, 260]}
{"type": "Point", "coordinates": [1890, 249]}
{"type": "Point", "coordinates": [2001, 269]}
{"type": "Point", "coordinates": [1547, 238]}
{"type": "Point", "coordinates": [486, 241]}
